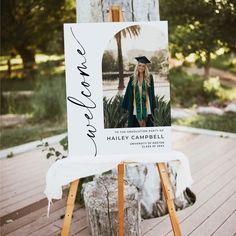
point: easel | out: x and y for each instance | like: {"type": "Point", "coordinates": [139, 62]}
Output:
{"type": "Point", "coordinates": [116, 16]}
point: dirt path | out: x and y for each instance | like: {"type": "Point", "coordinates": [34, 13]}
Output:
{"type": "Point", "coordinates": [226, 78]}
{"type": "Point", "coordinates": [12, 120]}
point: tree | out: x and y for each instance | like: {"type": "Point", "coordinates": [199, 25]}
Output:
{"type": "Point", "coordinates": [108, 62]}
{"type": "Point", "coordinates": [160, 62]}
{"type": "Point", "coordinates": [132, 31]}
{"type": "Point", "coordinates": [202, 27]}
{"type": "Point", "coordinates": [31, 26]}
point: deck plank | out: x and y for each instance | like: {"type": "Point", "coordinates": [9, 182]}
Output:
{"type": "Point", "coordinates": [216, 219]}
{"type": "Point", "coordinates": [198, 187]}
{"type": "Point", "coordinates": [41, 223]}
{"type": "Point", "coordinates": [164, 227]}
{"type": "Point", "coordinates": [207, 209]}
{"type": "Point", "coordinates": [213, 167]}
{"type": "Point", "coordinates": [22, 181]}
{"type": "Point", "coordinates": [79, 224]}
{"type": "Point", "coordinates": [210, 155]}
{"type": "Point", "coordinates": [219, 164]}
{"type": "Point", "coordinates": [47, 229]}
{"type": "Point", "coordinates": [32, 217]}
{"type": "Point", "coordinates": [28, 158]}
{"type": "Point", "coordinates": [205, 152]}
{"type": "Point", "coordinates": [228, 227]}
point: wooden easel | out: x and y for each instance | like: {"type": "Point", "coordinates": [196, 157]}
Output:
{"type": "Point", "coordinates": [116, 16]}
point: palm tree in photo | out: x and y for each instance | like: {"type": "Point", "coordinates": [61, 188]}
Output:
{"type": "Point", "coordinates": [132, 31]}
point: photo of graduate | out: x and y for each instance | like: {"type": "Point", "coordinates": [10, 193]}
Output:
{"type": "Point", "coordinates": [139, 99]}
{"type": "Point", "coordinates": [135, 69]}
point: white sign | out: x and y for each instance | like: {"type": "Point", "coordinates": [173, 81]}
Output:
{"type": "Point", "coordinates": [85, 48]}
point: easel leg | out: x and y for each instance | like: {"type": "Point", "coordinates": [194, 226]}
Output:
{"type": "Point", "coordinates": [169, 196]}
{"type": "Point", "coordinates": [69, 208]}
{"type": "Point", "coordinates": [121, 198]}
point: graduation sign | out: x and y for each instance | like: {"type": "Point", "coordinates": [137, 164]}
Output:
{"type": "Point", "coordinates": [118, 99]}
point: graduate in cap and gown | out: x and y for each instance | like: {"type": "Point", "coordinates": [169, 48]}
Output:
{"type": "Point", "coordinates": [139, 99]}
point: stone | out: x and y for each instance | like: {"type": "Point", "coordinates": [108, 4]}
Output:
{"type": "Point", "coordinates": [177, 113]}
{"type": "Point", "coordinates": [210, 110]}
{"type": "Point", "coordinates": [230, 107]}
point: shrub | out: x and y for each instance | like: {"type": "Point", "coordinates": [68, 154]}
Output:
{"type": "Point", "coordinates": [49, 101]}
{"type": "Point", "coordinates": [109, 62]}
{"type": "Point", "coordinates": [3, 103]}
{"type": "Point", "coordinates": [186, 90]}
{"type": "Point", "coordinates": [225, 62]}
{"type": "Point", "coordinates": [211, 88]}
{"type": "Point", "coordinates": [114, 115]}
{"type": "Point", "coordinates": [15, 103]}
{"type": "Point", "coordinates": [162, 115]}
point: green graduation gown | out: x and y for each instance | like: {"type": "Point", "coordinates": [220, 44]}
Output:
{"type": "Point", "coordinates": [129, 101]}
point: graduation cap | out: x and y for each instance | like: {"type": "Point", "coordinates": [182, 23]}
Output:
{"type": "Point", "coordinates": [142, 60]}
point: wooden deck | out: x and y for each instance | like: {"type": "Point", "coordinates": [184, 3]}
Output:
{"type": "Point", "coordinates": [213, 166]}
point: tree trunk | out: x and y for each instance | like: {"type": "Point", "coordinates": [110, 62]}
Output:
{"type": "Point", "coordinates": [9, 67]}
{"type": "Point", "coordinates": [121, 85]}
{"type": "Point", "coordinates": [207, 65]}
{"type": "Point", "coordinates": [133, 10]}
{"type": "Point", "coordinates": [146, 178]}
{"type": "Point", "coordinates": [100, 197]}
{"type": "Point", "coordinates": [28, 58]}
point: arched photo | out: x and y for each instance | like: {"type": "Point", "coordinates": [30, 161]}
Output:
{"type": "Point", "coordinates": [135, 78]}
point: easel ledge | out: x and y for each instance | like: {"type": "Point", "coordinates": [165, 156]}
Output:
{"type": "Point", "coordinates": [116, 16]}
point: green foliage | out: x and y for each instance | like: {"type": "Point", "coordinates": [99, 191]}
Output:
{"type": "Point", "coordinates": [114, 115]}
{"type": "Point", "coordinates": [162, 115]}
{"type": "Point", "coordinates": [52, 67]}
{"type": "Point", "coordinates": [3, 105]}
{"type": "Point", "coordinates": [51, 151]}
{"type": "Point", "coordinates": [109, 62]}
{"type": "Point", "coordinates": [14, 103]}
{"type": "Point", "coordinates": [49, 101]}
{"type": "Point", "coordinates": [212, 87]}
{"type": "Point", "coordinates": [155, 65]}
{"type": "Point", "coordinates": [225, 62]}
{"type": "Point", "coordinates": [133, 31]}
{"type": "Point", "coordinates": [11, 137]}
{"type": "Point", "coordinates": [31, 26]}
{"type": "Point", "coordinates": [64, 143]}
{"type": "Point", "coordinates": [188, 90]}
{"type": "Point", "coordinates": [10, 155]}
{"type": "Point", "coordinates": [79, 196]}
{"type": "Point", "coordinates": [131, 67]}
{"type": "Point", "coordinates": [160, 63]}
{"type": "Point", "coordinates": [201, 28]}
{"type": "Point", "coordinates": [18, 84]}
{"type": "Point", "coordinates": [225, 122]}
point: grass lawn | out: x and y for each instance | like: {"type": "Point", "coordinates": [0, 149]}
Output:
{"type": "Point", "coordinates": [225, 122]}
{"type": "Point", "coordinates": [30, 132]}
{"type": "Point", "coordinates": [225, 62]}
{"type": "Point", "coordinates": [47, 66]}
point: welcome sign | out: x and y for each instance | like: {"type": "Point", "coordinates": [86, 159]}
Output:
{"type": "Point", "coordinates": [103, 117]}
